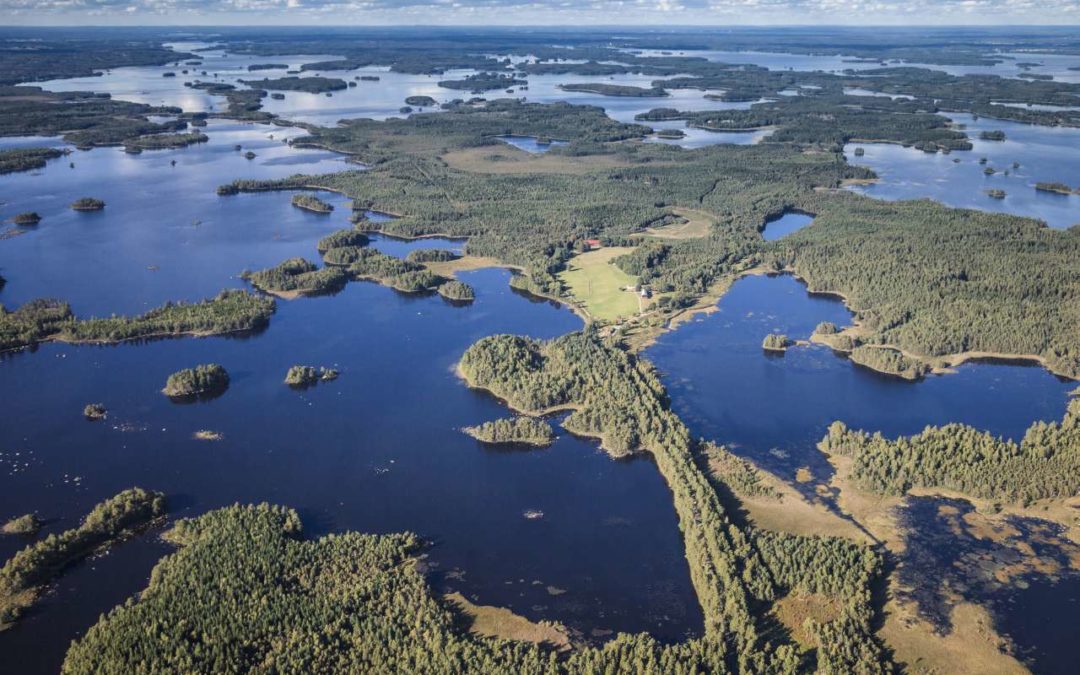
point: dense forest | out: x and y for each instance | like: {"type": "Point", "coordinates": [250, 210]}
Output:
{"type": "Point", "coordinates": [937, 281]}
{"type": "Point", "coordinates": [22, 577]}
{"type": "Point", "coordinates": [1044, 464]}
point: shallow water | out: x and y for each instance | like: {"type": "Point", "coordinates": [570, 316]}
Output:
{"type": "Point", "coordinates": [1045, 154]}
{"type": "Point", "coordinates": [951, 552]}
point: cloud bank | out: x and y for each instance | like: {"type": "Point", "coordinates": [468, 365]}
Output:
{"type": "Point", "coordinates": [542, 12]}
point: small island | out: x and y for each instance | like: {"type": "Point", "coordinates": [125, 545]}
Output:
{"type": "Point", "coordinates": [87, 204]}
{"type": "Point", "coordinates": [457, 291]}
{"type": "Point", "coordinates": [860, 151]}
{"type": "Point", "coordinates": [1056, 188]}
{"type": "Point", "coordinates": [27, 218]}
{"type": "Point", "coordinates": [25, 525]}
{"type": "Point", "coordinates": [310, 85]}
{"type": "Point", "coordinates": [305, 376]}
{"type": "Point", "coordinates": [776, 342]}
{"type": "Point", "coordinates": [267, 66]}
{"type": "Point", "coordinates": [482, 82]}
{"type": "Point", "coordinates": [94, 411]}
{"type": "Point", "coordinates": [995, 135]}
{"type": "Point", "coordinates": [995, 194]}
{"type": "Point", "coordinates": [614, 90]}
{"type": "Point", "coordinates": [421, 101]}
{"type": "Point", "coordinates": [311, 203]}
{"type": "Point", "coordinates": [202, 380]}
{"type": "Point", "coordinates": [671, 134]}
{"type": "Point", "coordinates": [514, 430]}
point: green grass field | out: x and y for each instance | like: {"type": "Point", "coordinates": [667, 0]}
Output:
{"type": "Point", "coordinates": [597, 284]}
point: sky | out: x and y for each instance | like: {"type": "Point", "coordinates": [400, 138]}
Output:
{"type": "Point", "coordinates": [539, 12]}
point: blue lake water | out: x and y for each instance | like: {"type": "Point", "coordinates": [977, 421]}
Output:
{"type": "Point", "coordinates": [380, 448]}
{"type": "Point", "coordinates": [1045, 154]}
{"type": "Point", "coordinates": [776, 408]}
{"type": "Point", "coordinates": [785, 225]}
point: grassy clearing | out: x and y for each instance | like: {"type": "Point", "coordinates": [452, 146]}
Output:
{"type": "Point", "coordinates": [506, 159]}
{"type": "Point", "coordinates": [500, 622]}
{"type": "Point", "coordinates": [598, 285]}
{"type": "Point", "coordinates": [696, 224]}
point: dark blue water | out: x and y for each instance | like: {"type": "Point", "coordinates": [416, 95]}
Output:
{"type": "Point", "coordinates": [785, 225]}
{"type": "Point", "coordinates": [776, 408]}
{"type": "Point", "coordinates": [164, 233]}
{"type": "Point", "coordinates": [376, 450]}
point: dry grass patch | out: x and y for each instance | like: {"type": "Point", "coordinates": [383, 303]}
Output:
{"type": "Point", "coordinates": [500, 622]}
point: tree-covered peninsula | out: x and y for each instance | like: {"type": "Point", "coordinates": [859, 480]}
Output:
{"type": "Point", "coordinates": [297, 276]}
{"type": "Point", "coordinates": [230, 311]}
{"type": "Point", "coordinates": [24, 576]}
{"type": "Point", "coordinates": [1045, 464]}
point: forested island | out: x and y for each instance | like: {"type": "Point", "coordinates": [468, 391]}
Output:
{"type": "Point", "coordinates": [305, 376]}
{"type": "Point", "coordinates": [46, 319]}
{"type": "Point", "coordinates": [87, 204]}
{"type": "Point", "coordinates": [520, 430]}
{"type": "Point", "coordinates": [26, 159]}
{"type": "Point", "coordinates": [482, 82]}
{"type": "Point", "coordinates": [310, 85]}
{"type": "Point", "coordinates": [775, 342]}
{"type": "Point", "coordinates": [311, 203]}
{"type": "Point", "coordinates": [614, 89]}
{"type": "Point", "coordinates": [202, 380]}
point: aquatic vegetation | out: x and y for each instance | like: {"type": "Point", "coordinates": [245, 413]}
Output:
{"type": "Point", "coordinates": [203, 379]}
{"type": "Point", "coordinates": [311, 203]}
{"type": "Point", "coordinates": [1045, 464]}
{"type": "Point", "coordinates": [297, 276]}
{"type": "Point", "coordinates": [94, 411]}
{"type": "Point", "coordinates": [26, 159]}
{"type": "Point", "coordinates": [27, 524]}
{"type": "Point", "coordinates": [523, 430]}
{"type": "Point", "coordinates": [87, 204]}
{"type": "Point", "coordinates": [23, 576]}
